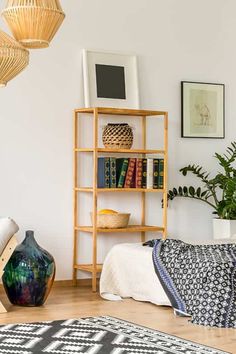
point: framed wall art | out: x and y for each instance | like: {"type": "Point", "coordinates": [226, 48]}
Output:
{"type": "Point", "coordinates": [110, 80]}
{"type": "Point", "coordinates": [203, 110]}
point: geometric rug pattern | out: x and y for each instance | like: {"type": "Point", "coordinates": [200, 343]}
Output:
{"type": "Point", "coordinates": [92, 335]}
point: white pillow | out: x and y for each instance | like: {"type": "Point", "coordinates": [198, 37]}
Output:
{"type": "Point", "coordinates": [8, 228]}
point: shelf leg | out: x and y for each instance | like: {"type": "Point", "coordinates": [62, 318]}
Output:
{"type": "Point", "coordinates": [94, 282]}
{"type": "Point", "coordinates": [165, 200]}
{"type": "Point", "coordinates": [143, 234]}
{"type": "Point", "coordinates": [143, 196]}
{"type": "Point", "coordinates": [74, 276]}
{"type": "Point", "coordinates": [75, 254]}
{"type": "Point", "coordinates": [95, 171]}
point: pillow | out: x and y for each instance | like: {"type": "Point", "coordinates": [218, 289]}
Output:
{"type": "Point", "coordinates": [8, 228]}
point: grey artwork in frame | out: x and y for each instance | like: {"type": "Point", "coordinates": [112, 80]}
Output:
{"type": "Point", "coordinates": [203, 110]}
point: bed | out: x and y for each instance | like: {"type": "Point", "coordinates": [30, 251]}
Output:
{"type": "Point", "coordinates": [199, 279]}
{"type": "Point", "coordinates": [128, 272]}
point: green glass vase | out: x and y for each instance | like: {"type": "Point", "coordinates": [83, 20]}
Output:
{"type": "Point", "coordinates": [29, 274]}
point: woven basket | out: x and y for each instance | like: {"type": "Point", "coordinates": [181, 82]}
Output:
{"type": "Point", "coordinates": [112, 221]}
{"type": "Point", "coordinates": [33, 22]}
{"type": "Point", "coordinates": [13, 58]}
{"type": "Point", "coordinates": [118, 136]}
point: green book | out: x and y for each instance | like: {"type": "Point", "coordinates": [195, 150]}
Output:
{"type": "Point", "coordinates": [155, 173]}
{"type": "Point", "coordinates": [119, 163]}
{"type": "Point", "coordinates": [107, 172]}
{"type": "Point", "coordinates": [161, 174]}
{"type": "Point", "coordinates": [123, 171]}
{"type": "Point", "coordinates": [144, 174]}
{"type": "Point", "coordinates": [112, 172]}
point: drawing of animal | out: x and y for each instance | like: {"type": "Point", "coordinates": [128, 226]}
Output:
{"type": "Point", "coordinates": [204, 113]}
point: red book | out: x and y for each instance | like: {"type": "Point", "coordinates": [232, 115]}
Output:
{"type": "Point", "coordinates": [138, 173]}
{"type": "Point", "coordinates": [130, 173]}
{"type": "Point", "coordinates": [134, 177]}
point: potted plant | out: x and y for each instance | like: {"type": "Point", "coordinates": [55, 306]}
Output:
{"type": "Point", "coordinates": [219, 192]}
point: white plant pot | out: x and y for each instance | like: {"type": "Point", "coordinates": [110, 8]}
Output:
{"type": "Point", "coordinates": [224, 229]}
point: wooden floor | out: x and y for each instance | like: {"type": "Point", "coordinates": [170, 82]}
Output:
{"type": "Point", "coordinates": [69, 302]}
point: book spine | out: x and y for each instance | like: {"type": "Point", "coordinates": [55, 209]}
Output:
{"type": "Point", "coordinates": [161, 174]}
{"type": "Point", "coordinates": [123, 173]}
{"type": "Point", "coordinates": [101, 172]}
{"type": "Point", "coordinates": [149, 173]}
{"type": "Point", "coordinates": [107, 172]}
{"type": "Point", "coordinates": [132, 185]}
{"type": "Point", "coordinates": [130, 173]}
{"type": "Point", "coordinates": [133, 180]}
{"type": "Point", "coordinates": [144, 173]}
{"type": "Point", "coordinates": [138, 173]}
{"type": "Point", "coordinates": [112, 172]}
{"type": "Point", "coordinates": [119, 162]}
{"type": "Point", "coordinates": [155, 173]}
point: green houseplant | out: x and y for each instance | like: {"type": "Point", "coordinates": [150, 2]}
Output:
{"type": "Point", "coordinates": [219, 191]}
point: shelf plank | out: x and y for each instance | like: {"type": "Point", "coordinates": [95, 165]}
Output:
{"type": "Point", "coordinates": [131, 151]}
{"type": "Point", "coordinates": [123, 151]}
{"type": "Point", "coordinates": [130, 228]}
{"type": "Point", "coordinates": [88, 267]}
{"type": "Point", "coordinates": [129, 190]}
{"type": "Point", "coordinates": [121, 112]}
{"type": "Point", "coordinates": [84, 189]}
{"type": "Point", "coordinates": [84, 150]}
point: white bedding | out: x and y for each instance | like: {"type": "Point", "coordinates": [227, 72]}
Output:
{"type": "Point", "coordinates": [128, 271]}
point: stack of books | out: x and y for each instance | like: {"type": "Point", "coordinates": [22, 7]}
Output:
{"type": "Point", "coordinates": [130, 173]}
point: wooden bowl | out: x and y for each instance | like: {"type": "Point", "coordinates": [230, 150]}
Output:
{"type": "Point", "coordinates": [112, 221]}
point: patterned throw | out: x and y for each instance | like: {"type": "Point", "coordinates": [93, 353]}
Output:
{"type": "Point", "coordinates": [200, 280]}
{"type": "Point", "coordinates": [93, 335]}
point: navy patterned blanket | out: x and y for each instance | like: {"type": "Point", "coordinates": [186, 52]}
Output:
{"type": "Point", "coordinates": [200, 281]}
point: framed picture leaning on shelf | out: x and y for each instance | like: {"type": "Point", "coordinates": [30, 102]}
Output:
{"type": "Point", "coordinates": [203, 110]}
{"type": "Point", "coordinates": [110, 80]}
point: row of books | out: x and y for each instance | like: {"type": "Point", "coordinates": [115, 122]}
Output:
{"type": "Point", "coordinates": [130, 173]}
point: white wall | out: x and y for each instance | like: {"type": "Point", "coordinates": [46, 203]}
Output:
{"type": "Point", "coordinates": [175, 40]}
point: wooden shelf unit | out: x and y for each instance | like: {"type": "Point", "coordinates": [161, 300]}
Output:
{"type": "Point", "coordinates": [95, 268]}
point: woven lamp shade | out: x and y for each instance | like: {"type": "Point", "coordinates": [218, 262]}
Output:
{"type": "Point", "coordinates": [13, 58]}
{"type": "Point", "coordinates": [33, 23]}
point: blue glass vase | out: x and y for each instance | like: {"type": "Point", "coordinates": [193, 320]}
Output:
{"type": "Point", "coordinates": [29, 274]}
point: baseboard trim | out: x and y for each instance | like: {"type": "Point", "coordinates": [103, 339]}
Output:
{"type": "Point", "coordinates": [69, 283]}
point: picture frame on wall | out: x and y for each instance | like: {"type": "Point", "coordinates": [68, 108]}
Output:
{"type": "Point", "coordinates": [203, 110]}
{"type": "Point", "coordinates": [110, 80]}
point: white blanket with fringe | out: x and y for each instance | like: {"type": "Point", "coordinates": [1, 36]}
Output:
{"type": "Point", "coordinates": [128, 272]}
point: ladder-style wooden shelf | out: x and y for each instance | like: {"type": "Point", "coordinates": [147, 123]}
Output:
{"type": "Point", "coordinates": [95, 268]}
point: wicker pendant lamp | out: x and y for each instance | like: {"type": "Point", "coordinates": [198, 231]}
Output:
{"type": "Point", "coordinates": [13, 58]}
{"type": "Point", "coordinates": [33, 22]}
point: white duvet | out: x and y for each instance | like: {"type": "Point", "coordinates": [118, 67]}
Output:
{"type": "Point", "coordinates": [128, 271]}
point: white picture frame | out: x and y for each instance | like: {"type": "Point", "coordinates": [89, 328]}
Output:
{"type": "Point", "coordinates": [110, 74]}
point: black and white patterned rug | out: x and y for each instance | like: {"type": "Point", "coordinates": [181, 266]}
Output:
{"type": "Point", "coordinates": [93, 335]}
